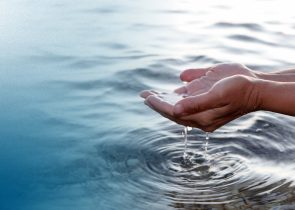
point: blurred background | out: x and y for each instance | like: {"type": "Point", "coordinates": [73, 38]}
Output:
{"type": "Point", "coordinates": [74, 133]}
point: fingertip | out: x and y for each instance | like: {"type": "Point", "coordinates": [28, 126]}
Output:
{"type": "Point", "coordinates": [181, 90]}
{"type": "Point", "coordinates": [191, 74]}
{"type": "Point", "coordinates": [150, 99]}
{"type": "Point", "coordinates": [185, 76]}
{"type": "Point", "coordinates": [142, 94]}
{"type": "Point", "coordinates": [146, 102]}
{"type": "Point", "coordinates": [146, 93]}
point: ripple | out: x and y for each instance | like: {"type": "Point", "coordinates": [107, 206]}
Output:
{"type": "Point", "coordinates": [247, 38]}
{"type": "Point", "coordinates": [174, 11]}
{"type": "Point", "coordinates": [51, 57]}
{"type": "Point", "coordinates": [125, 80]}
{"type": "Point", "coordinates": [104, 11]}
{"type": "Point", "coordinates": [222, 178]}
{"type": "Point", "coordinates": [115, 46]}
{"type": "Point", "coordinates": [102, 148]}
{"type": "Point", "coordinates": [202, 58]}
{"type": "Point", "coordinates": [250, 26]}
{"type": "Point", "coordinates": [100, 60]}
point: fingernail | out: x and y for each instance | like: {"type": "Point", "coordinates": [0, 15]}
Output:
{"type": "Point", "coordinates": [178, 109]}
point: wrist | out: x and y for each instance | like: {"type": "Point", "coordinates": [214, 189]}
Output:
{"type": "Point", "coordinates": [256, 96]}
{"type": "Point", "coordinates": [259, 86]}
{"type": "Point", "coordinates": [268, 92]}
{"type": "Point", "coordinates": [275, 76]}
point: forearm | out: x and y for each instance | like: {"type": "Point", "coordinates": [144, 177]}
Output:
{"type": "Point", "coordinates": [286, 71]}
{"type": "Point", "coordinates": [279, 76]}
{"type": "Point", "coordinates": [277, 96]}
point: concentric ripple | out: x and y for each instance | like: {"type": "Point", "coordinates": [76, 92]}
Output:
{"type": "Point", "coordinates": [222, 178]}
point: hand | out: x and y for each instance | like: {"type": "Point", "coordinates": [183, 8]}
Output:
{"type": "Point", "coordinates": [225, 101]}
{"type": "Point", "coordinates": [202, 79]}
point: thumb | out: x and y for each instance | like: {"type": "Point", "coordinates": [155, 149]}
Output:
{"type": "Point", "coordinates": [195, 104]}
{"type": "Point", "coordinates": [192, 74]}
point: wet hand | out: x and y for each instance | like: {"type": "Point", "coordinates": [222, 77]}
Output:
{"type": "Point", "coordinates": [226, 100]}
{"type": "Point", "coordinates": [202, 79]}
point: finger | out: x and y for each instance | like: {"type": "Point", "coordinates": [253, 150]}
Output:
{"type": "Point", "coordinates": [178, 121]}
{"type": "Point", "coordinates": [196, 104]}
{"type": "Point", "coordinates": [219, 123]}
{"type": "Point", "coordinates": [159, 105]}
{"type": "Point", "coordinates": [209, 117]}
{"type": "Point", "coordinates": [181, 90]}
{"type": "Point", "coordinates": [199, 86]}
{"type": "Point", "coordinates": [146, 93]}
{"type": "Point", "coordinates": [189, 88]}
{"type": "Point", "coordinates": [210, 126]}
{"type": "Point", "coordinates": [172, 118]}
{"type": "Point", "coordinates": [191, 74]}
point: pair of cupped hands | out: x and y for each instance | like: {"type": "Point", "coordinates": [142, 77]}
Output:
{"type": "Point", "coordinates": [214, 96]}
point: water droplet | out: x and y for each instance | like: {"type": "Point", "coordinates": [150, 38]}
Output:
{"type": "Point", "coordinates": [185, 155]}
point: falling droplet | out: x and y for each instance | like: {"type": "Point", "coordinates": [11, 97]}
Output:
{"type": "Point", "coordinates": [206, 144]}
{"type": "Point", "coordinates": [185, 155]}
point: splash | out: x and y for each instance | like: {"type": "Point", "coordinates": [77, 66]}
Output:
{"type": "Point", "coordinates": [187, 159]}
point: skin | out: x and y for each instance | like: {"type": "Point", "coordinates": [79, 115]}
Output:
{"type": "Point", "coordinates": [213, 100]}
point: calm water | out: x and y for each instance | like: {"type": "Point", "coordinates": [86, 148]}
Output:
{"type": "Point", "coordinates": [75, 134]}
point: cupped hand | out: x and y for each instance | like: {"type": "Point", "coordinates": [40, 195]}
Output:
{"type": "Point", "coordinates": [226, 100]}
{"type": "Point", "coordinates": [202, 79]}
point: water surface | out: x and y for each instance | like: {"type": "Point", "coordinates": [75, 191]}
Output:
{"type": "Point", "coordinates": [75, 134]}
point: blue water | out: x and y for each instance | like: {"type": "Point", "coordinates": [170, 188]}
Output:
{"type": "Point", "coordinates": [75, 134]}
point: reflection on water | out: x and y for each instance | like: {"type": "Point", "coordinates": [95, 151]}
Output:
{"type": "Point", "coordinates": [76, 135]}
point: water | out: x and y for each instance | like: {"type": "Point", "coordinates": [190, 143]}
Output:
{"type": "Point", "coordinates": [185, 155]}
{"type": "Point", "coordinates": [75, 134]}
{"type": "Point", "coordinates": [206, 144]}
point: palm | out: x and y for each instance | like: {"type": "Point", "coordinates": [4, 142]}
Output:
{"type": "Point", "coordinates": [212, 109]}
{"type": "Point", "coordinates": [201, 80]}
